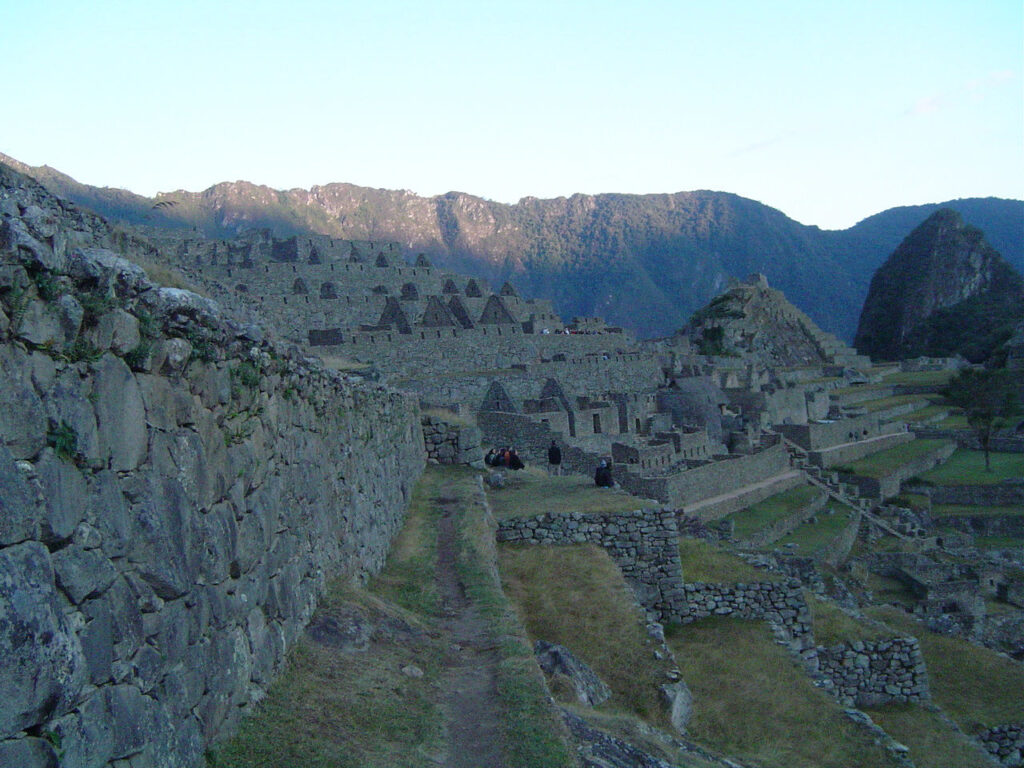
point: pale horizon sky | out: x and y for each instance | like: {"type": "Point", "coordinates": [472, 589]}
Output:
{"type": "Point", "coordinates": [829, 111]}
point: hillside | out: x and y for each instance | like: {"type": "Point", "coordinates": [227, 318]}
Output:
{"type": "Point", "coordinates": [645, 262]}
{"type": "Point", "coordinates": [944, 291]}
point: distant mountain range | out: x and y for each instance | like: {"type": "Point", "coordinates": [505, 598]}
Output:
{"type": "Point", "coordinates": [645, 262]}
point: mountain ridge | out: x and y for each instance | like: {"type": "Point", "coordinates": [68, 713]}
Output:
{"type": "Point", "coordinates": [645, 262]}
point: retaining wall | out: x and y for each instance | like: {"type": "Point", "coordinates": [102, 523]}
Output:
{"type": "Point", "coordinates": [176, 492]}
{"type": "Point", "coordinates": [448, 443]}
{"type": "Point", "coordinates": [871, 673]}
{"type": "Point", "coordinates": [1005, 743]}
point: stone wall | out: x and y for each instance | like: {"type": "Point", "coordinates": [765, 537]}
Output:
{"type": "Point", "coordinates": [966, 438]}
{"type": "Point", "coordinates": [1005, 743]}
{"type": "Point", "coordinates": [787, 525]}
{"type": "Point", "coordinates": [644, 544]}
{"type": "Point", "coordinates": [176, 492]}
{"type": "Point", "coordinates": [889, 486]}
{"type": "Point", "coordinates": [1005, 494]}
{"type": "Point", "coordinates": [844, 454]}
{"type": "Point", "coordinates": [450, 443]}
{"type": "Point", "coordinates": [781, 604]}
{"type": "Point", "coordinates": [725, 475]}
{"type": "Point", "coordinates": [867, 674]}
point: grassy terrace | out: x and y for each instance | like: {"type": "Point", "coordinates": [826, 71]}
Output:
{"type": "Point", "coordinates": [705, 561]}
{"type": "Point", "coordinates": [949, 510]}
{"type": "Point", "coordinates": [978, 688]}
{"type": "Point", "coordinates": [753, 703]}
{"type": "Point", "coordinates": [759, 516]}
{"type": "Point", "coordinates": [884, 403]}
{"type": "Point", "coordinates": [831, 625]}
{"type": "Point", "coordinates": [885, 463]}
{"type": "Point", "coordinates": [921, 378]}
{"type": "Point", "coordinates": [812, 537]}
{"type": "Point", "coordinates": [532, 492]}
{"type": "Point", "coordinates": [968, 468]}
{"type": "Point", "coordinates": [926, 413]}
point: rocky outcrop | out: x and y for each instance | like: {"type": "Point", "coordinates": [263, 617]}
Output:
{"type": "Point", "coordinates": [556, 659]}
{"type": "Point", "coordinates": [943, 291]}
{"type": "Point", "coordinates": [175, 492]}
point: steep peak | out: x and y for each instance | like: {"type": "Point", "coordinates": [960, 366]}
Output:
{"type": "Point", "coordinates": [942, 264]}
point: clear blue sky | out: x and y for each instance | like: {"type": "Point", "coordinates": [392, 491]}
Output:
{"type": "Point", "coordinates": [828, 110]}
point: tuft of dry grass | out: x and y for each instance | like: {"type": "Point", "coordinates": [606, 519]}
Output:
{"type": "Point", "coordinates": [576, 596]}
{"type": "Point", "coordinates": [753, 703]}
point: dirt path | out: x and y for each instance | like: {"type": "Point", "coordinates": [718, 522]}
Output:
{"type": "Point", "coordinates": [471, 697]}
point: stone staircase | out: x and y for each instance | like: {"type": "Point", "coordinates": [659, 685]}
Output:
{"type": "Point", "coordinates": [846, 494]}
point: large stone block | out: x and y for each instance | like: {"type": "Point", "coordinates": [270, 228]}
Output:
{"type": "Point", "coordinates": [161, 545]}
{"type": "Point", "coordinates": [23, 423]}
{"type": "Point", "coordinates": [65, 496]}
{"type": "Point", "coordinates": [82, 573]}
{"type": "Point", "coordinates": [43, 668]}
{"type": "Point", "coordinates": [18, 516]}
{"type": "Point", "coordinates": [28, 753]}
{"type": "Point", "coordinates": [120, 415]}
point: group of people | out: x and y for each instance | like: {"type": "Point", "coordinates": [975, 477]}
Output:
{"type": "Point", "coordinates": [504, 457]}
{"type": "Point", "coordinates": [508, 457]}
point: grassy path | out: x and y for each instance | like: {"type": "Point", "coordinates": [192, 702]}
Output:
{"type": "Point", "coordinates": [426, 667]}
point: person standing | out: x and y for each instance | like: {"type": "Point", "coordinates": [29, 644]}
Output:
{"type": "Point", "coordinates": [554, 460]}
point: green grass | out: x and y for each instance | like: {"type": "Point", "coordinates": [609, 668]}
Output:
{"type": "Point", "coordinates": [575, 596]}
{"type": "Point", "coordinates": [884, 403]}
{"type": "Point", "coordinates": [812, 537]}
{"type": "Point", "coordinates": [534, 736]}
{"type": "Point", "coordinates": [831, 625]}
{"type": "Point", "coordinates": [953, 421]}
{"type": "Point", "coordinates": [532, 492]}
{"type": "Point", "coordinates": [978, 688]}
{"type": "Point", "coordinates": [333, 709]}
{"type": "Point", "coordinates": [885, 463]}
{"type": "Point", "coordinates": [933, 744]}
{"type": "Point", "coordinates": [968, 468]}
{"type": "Point", "coordinates": [754, 704]}
{"type": "Point", "coordinates": [921, 378]}
{"type": "Point", "coordinates": [708, 562]}
{"type": "Point", "coordinates": [924, 414]}
{"type": "Point", "coordinates": [778, 507]}
{"type": "Point", "coordinates": [948, 510]}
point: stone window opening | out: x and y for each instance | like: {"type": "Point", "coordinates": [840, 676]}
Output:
{"type": "Point", "coordinates": [597, 423]}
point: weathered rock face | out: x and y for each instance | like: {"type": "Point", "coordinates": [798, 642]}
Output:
{"type": "Point", "coordinates": [174, 494]}
{"type": "Point", "coordinates": [943, 291]}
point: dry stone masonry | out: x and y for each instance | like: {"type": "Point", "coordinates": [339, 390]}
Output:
{"type": "Point", "coordinates": [175, 492]}
{"type": "Point", "coordinates": [870, 673]}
